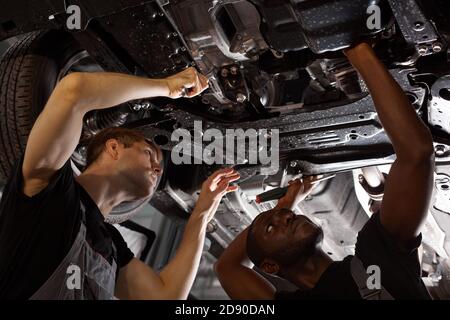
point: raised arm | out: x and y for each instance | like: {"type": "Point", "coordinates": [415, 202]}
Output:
{"type": "Point", "coordinates": [57, 130]}
{"type": "Point", "coordinates": [234, 268]}
{"type": "Point", "coordinates": [409, 185]}
{"type": "Point", "coordinates": [235, 273]}
{"type": "Point", "coordinates": [138, 281]}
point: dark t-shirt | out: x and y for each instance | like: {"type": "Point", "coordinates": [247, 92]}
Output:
{"type": "Point", "coordinates": [37, 232]}
{"type": "Point", "coordinates": [399, 268]}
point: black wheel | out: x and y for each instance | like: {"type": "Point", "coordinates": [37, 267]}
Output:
{"type": "Point", "coordinates": [29, 70]}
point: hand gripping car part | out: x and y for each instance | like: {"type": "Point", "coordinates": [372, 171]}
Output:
{"type": "Point", "coordinates": [277, 193]}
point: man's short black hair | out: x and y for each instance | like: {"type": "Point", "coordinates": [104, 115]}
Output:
{"type": "Point", "coordinates": [125, 136]}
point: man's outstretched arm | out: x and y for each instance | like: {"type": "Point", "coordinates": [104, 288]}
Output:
{"type": "Point", "coordinates": [409, 185]}
{"type": "Point", "coordinates": [138, 281]}
{"type": "Point", "coordinates": [57, 130]}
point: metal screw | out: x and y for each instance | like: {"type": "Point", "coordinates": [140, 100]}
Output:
{"type": "Point", "coordinates": [240, 97]}
{"type": "Point", "coordinates": [234, 70]}
{"type": "Point", "coordinates": [293, 163]}
{"type": "Point", "coordinates": [422, 50]}
{"type": "Point", "coordinates": [439, 150]}
{"type": "Point", "coordinates": [183, 49]}
{"type": "Point", "coordinates": [437, 47]}
{"type": "Point", "coordinates": [137, 107]}
{"type": "Point", "coordinates": [211, 227]}
{"type": "Point", "coordinates": [418, 26]}
{"type": "Point", "coordinates": [224, 72]}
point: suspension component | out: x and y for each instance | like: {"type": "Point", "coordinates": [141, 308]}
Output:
{"type": "Point", "coordinates": [97, 120]}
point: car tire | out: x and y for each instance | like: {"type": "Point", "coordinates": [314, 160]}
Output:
{"type": "Point", "coordinates": [29, 71]}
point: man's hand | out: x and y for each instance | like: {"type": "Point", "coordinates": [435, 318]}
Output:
{"type": "Point", "coordinates": [187, 83]}
{"type": "Point", "coordinates": [213, 189]}
{"type": "Point", "coordinates": [298, 190]}
{"type": "Point", "coordinates": [139, 281]}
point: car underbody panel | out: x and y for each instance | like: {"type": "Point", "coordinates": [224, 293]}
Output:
{"type": "Point", "coordinates": [274, 67]}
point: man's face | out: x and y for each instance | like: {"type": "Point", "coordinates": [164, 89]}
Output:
{"type": "Point", "coordinates": [141, 165]}
{"type": "Point", "coordinates": [285, 236]}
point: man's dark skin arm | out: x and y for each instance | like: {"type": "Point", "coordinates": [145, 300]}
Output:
{"type": "Point", "coordinates": [409, 185]}
{"type": "Point", "coordinates": [407, 190]}
{"type": "Point", "coordinates": [235, 273]}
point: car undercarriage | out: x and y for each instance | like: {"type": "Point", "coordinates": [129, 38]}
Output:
{"type": "Point", "coordinates": [272, 65]}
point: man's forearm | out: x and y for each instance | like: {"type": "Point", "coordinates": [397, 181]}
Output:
{"type": "Point", "coordinates": [101, 90]}
{"type": "Point", "coordinates": [235, 273]}
{"type": "Point", "coordinates": [236, 253]}
{"type": "Point", "coordinates": [407, 132]}
{"type": "Point", "coordinates": [283, 203]}
{"type": "Point", "coordinates": [180, 273]}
